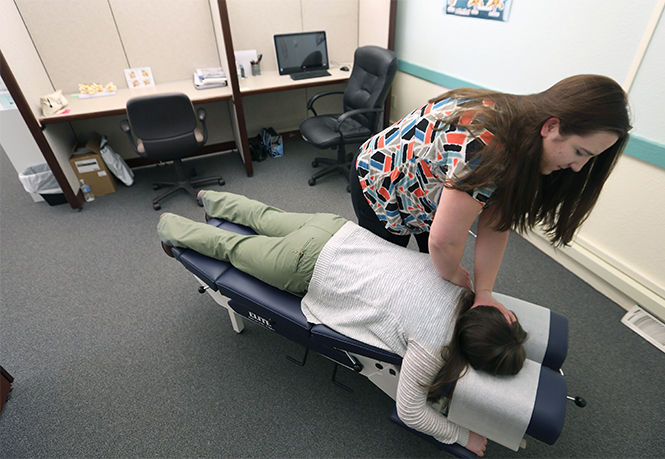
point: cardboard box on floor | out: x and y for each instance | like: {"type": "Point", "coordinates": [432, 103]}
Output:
{"type": "Point", "coordinates": [88, 165]}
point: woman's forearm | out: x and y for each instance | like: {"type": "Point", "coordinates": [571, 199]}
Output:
{"type": "Point", "coordinates": [446, 258]}
{"type": "Point", "coordinates": [490, 247]}
{"type": "Point", "coordinates": [456, 212]}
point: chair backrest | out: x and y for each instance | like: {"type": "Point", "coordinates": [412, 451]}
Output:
{"type": "Point", "coordinates": [164, 125]}
{"type": "Point", "coordinates": [373, 72]}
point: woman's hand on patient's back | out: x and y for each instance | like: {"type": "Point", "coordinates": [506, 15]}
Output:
{"type": "Point", "coordinates": [476, 444]}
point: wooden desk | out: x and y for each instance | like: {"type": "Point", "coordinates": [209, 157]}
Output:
{"type": "Point", "coordinates": [94, 107]}
{"type": "Point", "coordinates": [270, 81]}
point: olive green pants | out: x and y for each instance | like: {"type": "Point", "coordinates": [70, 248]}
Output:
{"type": "Point", "coordinates": [282, 254]}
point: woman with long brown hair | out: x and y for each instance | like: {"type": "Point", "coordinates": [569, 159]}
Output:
{"type": "Point", "coordinates": [515, 160]}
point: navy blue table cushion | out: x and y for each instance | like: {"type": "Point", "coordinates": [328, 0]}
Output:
{"type": "Point", "coordinates": [549, 410]}
{"type": "Point", "coordinates": [557, 345]}
{"type": "Point", "coordinates": [326, 340]}
{"type": "Point", "coordinates": [205, 268]}
{"type": "Point", "coordinates": [269, 306]}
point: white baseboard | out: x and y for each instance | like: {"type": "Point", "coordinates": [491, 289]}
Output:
{"type": "Point", "coordinates": [602, 276]}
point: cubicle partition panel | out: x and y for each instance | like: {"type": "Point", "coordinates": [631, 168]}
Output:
{"type": "Point", "coordinates": [340, 21]}
{"type": "Point", "coordinates": [376, 22]}
{"type": "Point", "coordinates": [27, 79]}
{"type": "Point", "coordinates": [172, 38]}
{"type": "Point", "coordinates": [237, 112]}
{"type": "Point", "coordinates": [169, 36]}
{"type": "Point", "coordinates": [89, 51]}
{"type": "Point", "coordinates": [283, 110]}
{"type": "Point", "coordinates": [269, 102]}
{"type": "Point", "coordinates": [52, 155]}
{"type": "Point", "coordinates": [232, 127]}
{"type": "Point", "coordinates": [254, 22]}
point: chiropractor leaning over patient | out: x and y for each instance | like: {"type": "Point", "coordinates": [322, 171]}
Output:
{"type": "Point", "coordinates": [515, 160]}
{"type": "Point", "coordinates": [367, 289]}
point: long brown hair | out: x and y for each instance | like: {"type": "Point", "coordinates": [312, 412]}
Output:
{"type": "Point", "coordinates": [524, 197]}
{"type": "Point", "coordinates": [484, 339]}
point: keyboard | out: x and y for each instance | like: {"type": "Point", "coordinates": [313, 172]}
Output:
{"type": "Point", "coordinates": [309, 74]}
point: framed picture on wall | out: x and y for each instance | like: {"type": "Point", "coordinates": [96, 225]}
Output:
{"type": "Point", "coordinates": [497, 10]}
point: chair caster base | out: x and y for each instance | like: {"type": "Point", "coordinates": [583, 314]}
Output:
{"type": "Point", "coordinates": [156, 206]}
{"type": "Point", "coordinates": [311, 182]}
{"type": "Point", "coordinates": [315, 163]}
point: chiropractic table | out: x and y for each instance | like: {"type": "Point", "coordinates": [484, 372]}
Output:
{"type": "Point", "coordinates": [503, 409]}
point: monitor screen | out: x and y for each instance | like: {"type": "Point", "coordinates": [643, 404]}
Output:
{"type": "Point", "coordinates": [298, 52]}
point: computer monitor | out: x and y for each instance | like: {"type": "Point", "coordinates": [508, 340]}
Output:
{"type": "Point", "coordinates": [301, 52]}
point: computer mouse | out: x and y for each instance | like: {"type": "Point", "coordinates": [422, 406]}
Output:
{"type": "Point", "coordinates": [344, 68]}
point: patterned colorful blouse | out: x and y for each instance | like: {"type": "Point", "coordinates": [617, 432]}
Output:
{"type": "Point", "coordinates": [402, 169]}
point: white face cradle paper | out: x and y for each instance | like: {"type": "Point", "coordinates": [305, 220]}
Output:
{"type": "Point", "coordinates": [500, 407]}
{"type": "Point", "coordinates": [497, 407]}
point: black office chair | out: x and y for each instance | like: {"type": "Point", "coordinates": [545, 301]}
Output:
{"type": "Point", "coordinates": [164, 128]}
{"type": "Point", "coordinates": [373, 72]}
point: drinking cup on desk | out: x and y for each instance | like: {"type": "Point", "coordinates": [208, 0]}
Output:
{"type": "Point", "coordinates": [256, 68]}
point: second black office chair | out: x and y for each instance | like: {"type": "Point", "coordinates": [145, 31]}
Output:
{"type": "Point", "coordinates": [165, 128]}
{"type": "Point", "coordinates": [372, 75]}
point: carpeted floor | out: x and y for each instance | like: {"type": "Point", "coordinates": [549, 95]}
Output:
{"type": "Point", "coordinates": [116, 354]}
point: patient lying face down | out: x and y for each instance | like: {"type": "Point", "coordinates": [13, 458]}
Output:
{"type": "Point", "coordinates": [367, 289]}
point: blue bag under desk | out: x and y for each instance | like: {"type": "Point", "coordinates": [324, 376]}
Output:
{"type": "Point", "coordinates": [246, 297]}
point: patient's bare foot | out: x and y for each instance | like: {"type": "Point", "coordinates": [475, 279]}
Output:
{"type": "Point", "coordinates": [167, 249]}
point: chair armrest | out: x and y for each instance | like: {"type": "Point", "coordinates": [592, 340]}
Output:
{"type": "Point", "coordinates": [315, 97]}
{"type": "Point", "coordinates": [124, 126]}
{"type": "Point", "coordinates": [346, 115]}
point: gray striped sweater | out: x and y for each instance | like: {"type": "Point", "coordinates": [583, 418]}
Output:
{"type": "Point", "coordinates": [393, 298]}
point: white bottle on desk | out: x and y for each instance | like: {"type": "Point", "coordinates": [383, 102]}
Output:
{"type": "Point", "coordinates": [87, 192]}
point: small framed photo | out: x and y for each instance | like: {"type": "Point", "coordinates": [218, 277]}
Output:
{"type": "Point", "coordinates": [140, 77]}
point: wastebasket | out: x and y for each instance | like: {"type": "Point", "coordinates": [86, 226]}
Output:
{"type": "Point", "coordinates": [40, 179]}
